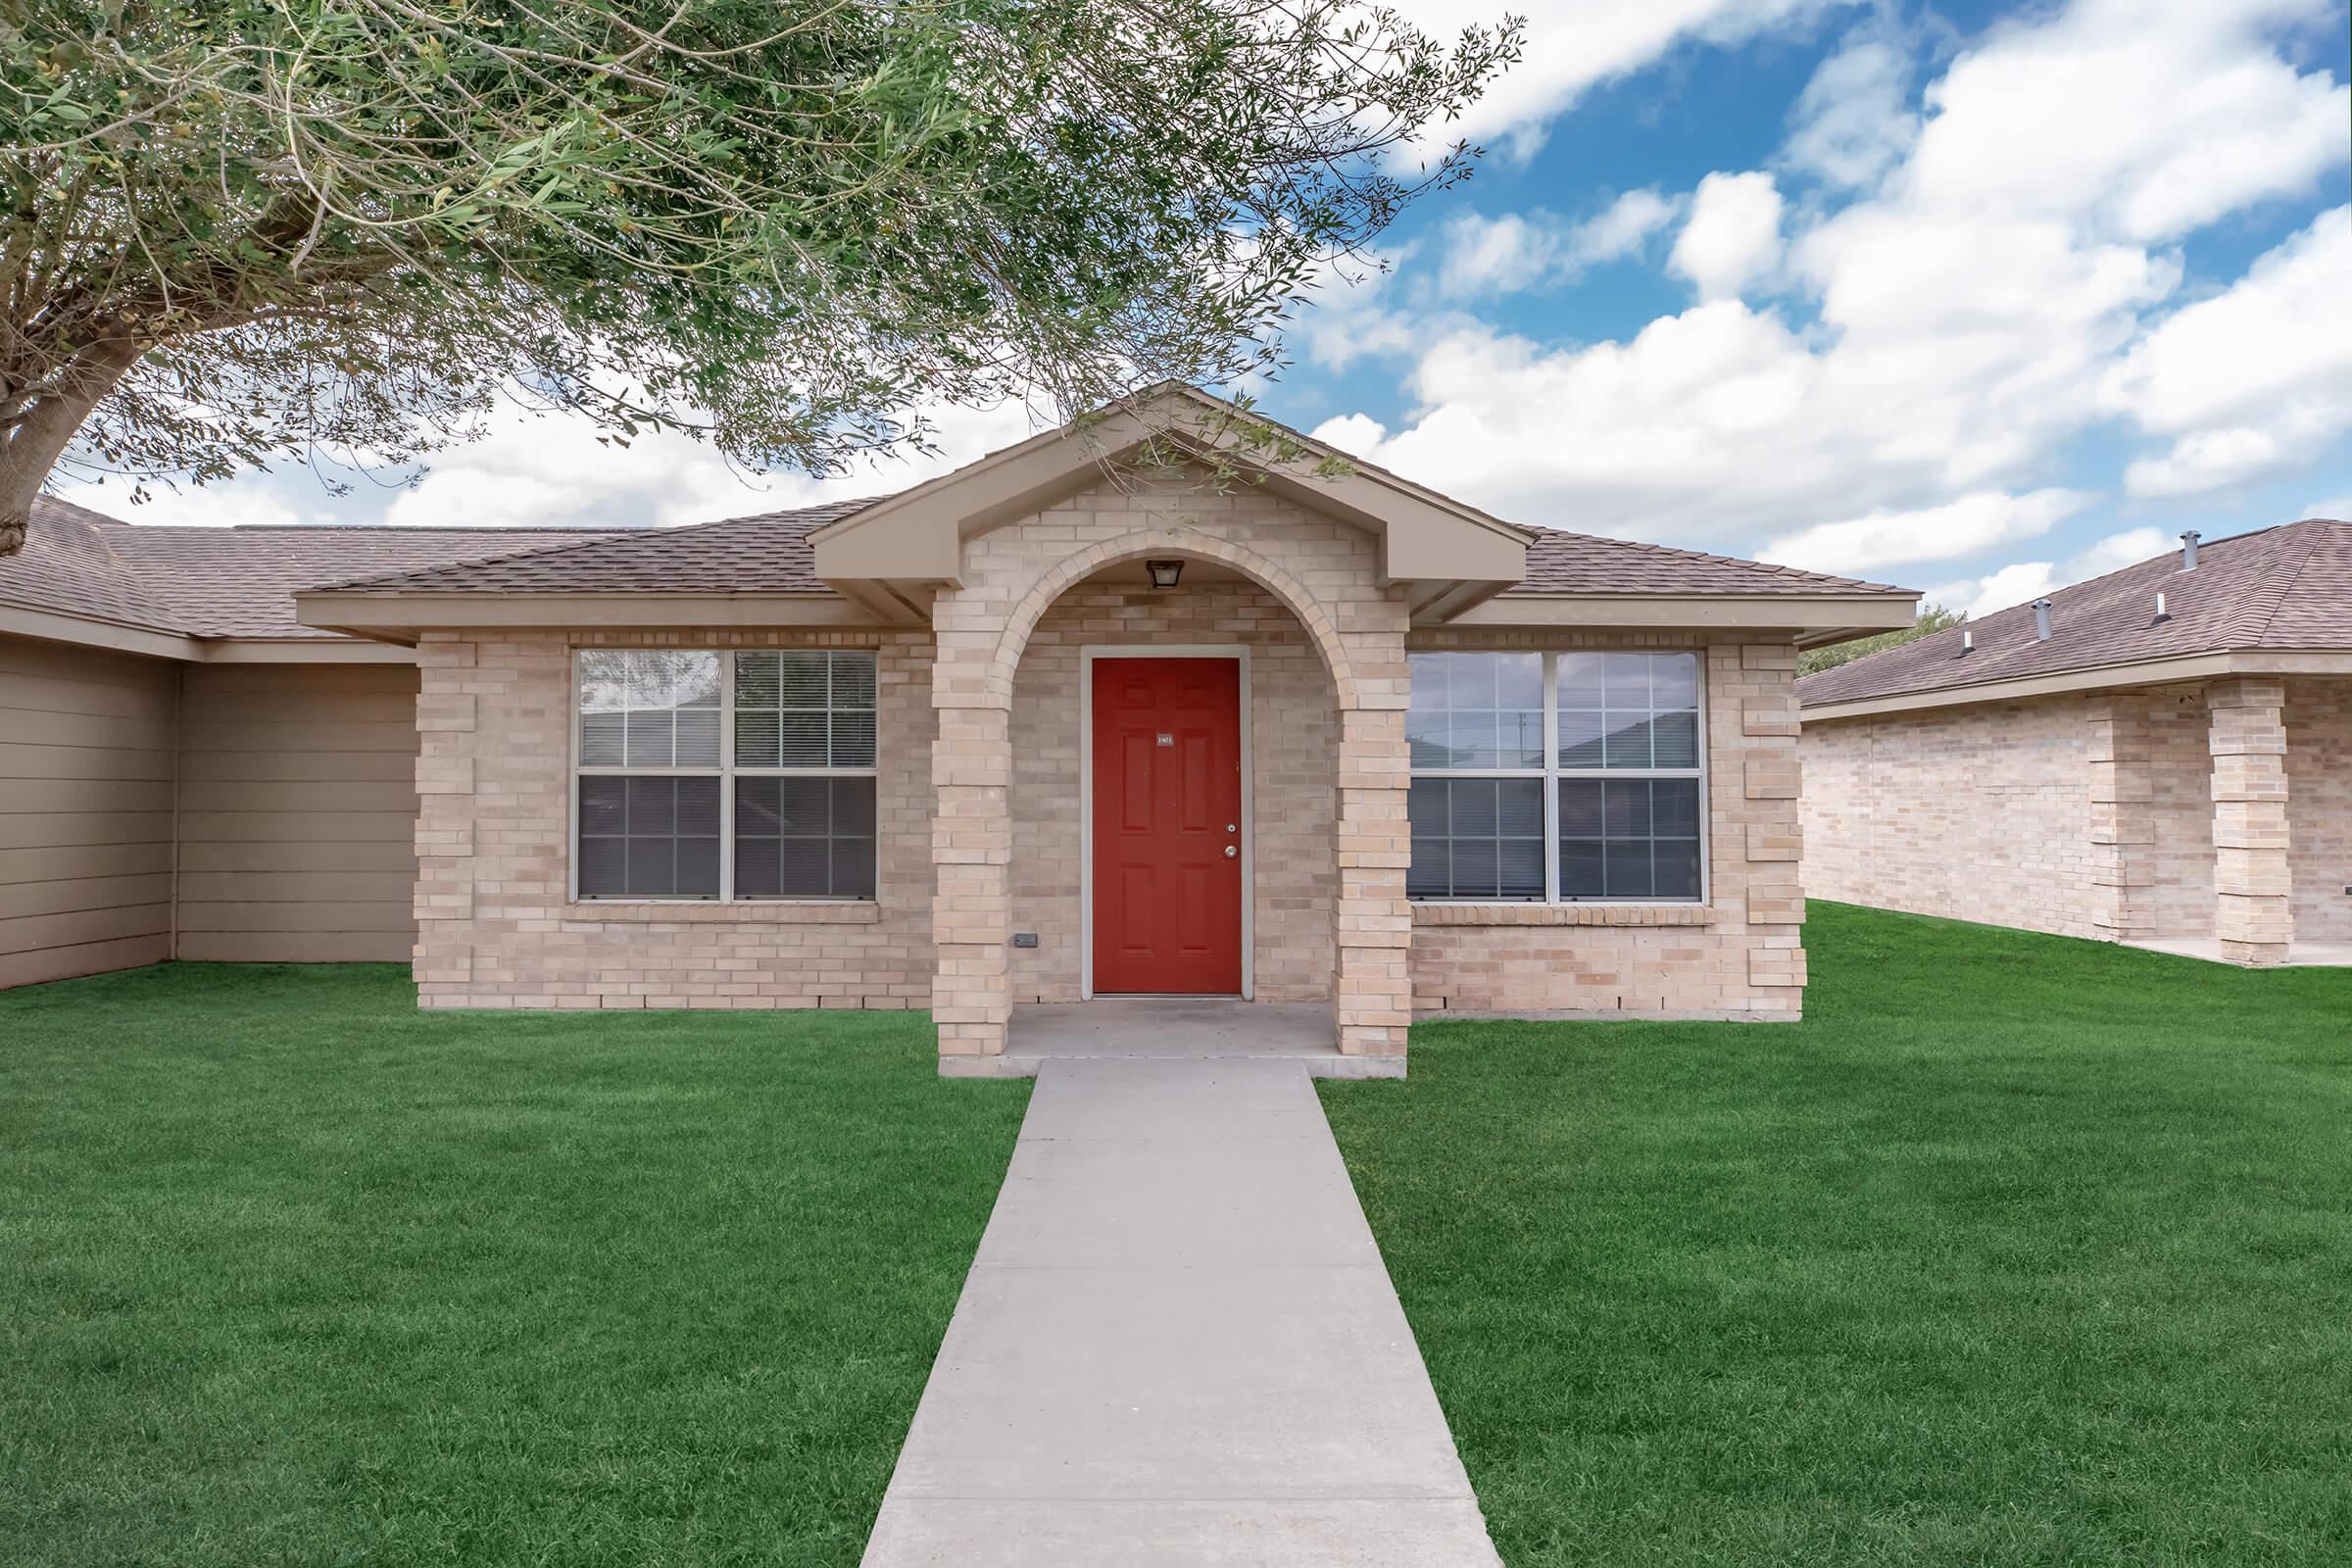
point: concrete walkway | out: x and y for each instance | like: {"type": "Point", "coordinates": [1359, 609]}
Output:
{"type": "Point", "coordinates": [1178, 1345]}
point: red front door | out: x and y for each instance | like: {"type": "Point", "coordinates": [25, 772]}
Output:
{"type": "Point", "coordinates": [1167, 825]}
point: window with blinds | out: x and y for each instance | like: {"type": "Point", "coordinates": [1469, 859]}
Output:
{"type": "Point", "coordinates": [726, 775]}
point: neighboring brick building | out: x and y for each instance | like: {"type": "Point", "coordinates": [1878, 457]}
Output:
{"type": "Point", "coordinates": [1243, 718]}
{"type": "Point", "coordinates": [2181, 781]}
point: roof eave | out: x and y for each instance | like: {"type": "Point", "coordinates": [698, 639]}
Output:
{"type": "Point", "coordinates": [390, 616]}
{"type": "Point", "coordinates": [1812, 620]}
{"type": "Point", "coordinates": [2161, 671]}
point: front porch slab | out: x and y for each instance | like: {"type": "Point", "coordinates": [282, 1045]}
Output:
{"type": "Point", "coordinates": [1174, 1029]}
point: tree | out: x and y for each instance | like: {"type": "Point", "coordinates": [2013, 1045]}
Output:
{"type": "Point", "coordinates": [1932, 618]}
{"type": "Point", "coordinates": [244, 232]}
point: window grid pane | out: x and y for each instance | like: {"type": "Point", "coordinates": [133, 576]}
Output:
{"type": "Point", "coordinates": [1632, 828]}
{"type": "Point", "coordinates": [805, 838]}
{"type": "Point", "coordinates": [805, 708]}
{"type": "Point", "coordinates": [1476, 838]}
{"type": "Point", "coordinates": [1476, 712]}
{"type": "Point", "coordinates": [1630, 711]}
{"type": "Point", "coordinates": [649, 836]}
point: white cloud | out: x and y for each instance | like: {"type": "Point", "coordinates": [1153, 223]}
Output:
{"type": "Point", "coordinates": [1963, 527]}
{"type": "Point", "coordinates": [2028, 580]}
{"type": "Point", "coordinates": [2253, 380]}
{"type": "Point", "coordinates": [1968, 307]}
{"type": "Point", "coordinates": [1573, 45]}
{"type": "Point", "coordinates": [1621, 227]}
{"type": "Point", "coordinates": [2151, 117]}
{"type": "Point", "coordinates": [537, 471]}
{"type": "Point", "coordinates": [1517, 251]}
{"type": "Point", "coordinates": [1854, 121]}
{"type": "Point", "coordinates": [1733, 236]}
{"type": "Point", "coordinates": [1356, 433]}
{"type": "Point", "coordinates": [2337, 509]}
{"type": "Point", "coordinates": [250, 503]}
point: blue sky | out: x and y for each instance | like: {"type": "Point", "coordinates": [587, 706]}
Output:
{"type": "Point", "coordinates": [1975, 299]}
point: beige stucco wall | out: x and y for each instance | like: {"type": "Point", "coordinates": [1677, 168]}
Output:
{"type": "Point", "coordinates": [1293, 747]}
{"type": "Point", "coordinates": [85, 810]}
{"type": "Point", "coordinates": [2319, 779]}
{"type": "Point", "coordinates": [495, 928]}
{"type": "Point", "coordinates": [298, 812]}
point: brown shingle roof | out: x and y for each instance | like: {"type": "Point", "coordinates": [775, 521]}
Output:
{"type": "Point", "coordinates": [770, 554]}
{"type": "Point", "coordinates": [766, 552]}
{"type": "Point", "coordinates": [240, 582]}
{"type": "Point", "coordinates": [223, 582]}
{"type": "Point", "coordinates": [2289, 587]}
{"type": "Point", "coordinates": [1562, 562]}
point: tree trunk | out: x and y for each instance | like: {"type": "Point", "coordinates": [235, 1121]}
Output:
{"type": "Point", "coordinates": [32, 448]}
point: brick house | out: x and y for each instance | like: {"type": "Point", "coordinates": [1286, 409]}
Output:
{"type": "Point", "coordinates": [2161, 756]}
{"type": "Point", "coordinates": [1168, 701]}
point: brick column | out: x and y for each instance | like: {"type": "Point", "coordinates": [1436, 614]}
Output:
{"type": "Point", "coordinates": [2253, 884]}
{"type": "Point", "coordinates": [971, 846]}
{"type": "Point", "coordinates": [1770, 788]}
{"type": "Point", "coordinates": [1372, 987]}
{"type": "Point", "coordinates": [2123, 826]}
{"type": "Point", "coordinates": [445, 812]}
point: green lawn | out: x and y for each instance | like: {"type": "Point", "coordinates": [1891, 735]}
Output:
{"type": "Point", "coordinates": [293, 1274]}
{"type": "Point", "coordinates": [2017, 1251]}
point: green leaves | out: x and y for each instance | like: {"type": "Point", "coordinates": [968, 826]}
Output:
{"type": "Point", "coordinates": [350, 223]}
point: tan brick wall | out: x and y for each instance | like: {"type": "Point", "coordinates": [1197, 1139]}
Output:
{"type": "Point", "coordinates": [1736, 955]}
{"type": "Point", "coordinates": [495, 929]}
{"type": "Point", "coordinates": [1979, 814]}
{"type": "Point", "coordinates": [978, 751]}
{"type": "Point", "coordinates": [2097, 814]}
{"type": "Point", "coordinates": [2319, 782]}
{"type": "Point", "coordinates": [1292, 738]}
{"type": "Point", "coordinates": [2180, 813]}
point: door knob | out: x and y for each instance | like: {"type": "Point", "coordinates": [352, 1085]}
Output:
{"type": "Point", "coordinates": [1231, 852]}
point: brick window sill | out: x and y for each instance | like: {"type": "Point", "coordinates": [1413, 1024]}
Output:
{"type": "Point", "coordinates": [817, 912]}
{"type": "Point", "coordinates": [1563, 915]}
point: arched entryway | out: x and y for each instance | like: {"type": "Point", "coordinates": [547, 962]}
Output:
{"type": "Point", "coordinates": [996, 860]}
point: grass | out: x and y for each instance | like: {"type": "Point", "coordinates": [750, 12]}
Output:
{"type": "Point", "coordinates": [293, 1274]}
{"type": "Point", "coordinates": [2017, 1251]}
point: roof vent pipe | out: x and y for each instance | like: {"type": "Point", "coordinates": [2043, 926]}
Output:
{"type": "Point", "coordinates": [2162, 614]}
{"type": "Point", "coordinates": [2189, 550]}
{"type": "Point", "coordinates": [2041, 620]}
{"type": "Point", "coordinates": [1968, 643]}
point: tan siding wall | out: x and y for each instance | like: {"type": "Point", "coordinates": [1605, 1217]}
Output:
{"type": "Point", "coordinates": [85, 810]}
{"type": "Point", "coordinates": [298, 807]}
{"type": "Point", "coordinates": [2319, 784]}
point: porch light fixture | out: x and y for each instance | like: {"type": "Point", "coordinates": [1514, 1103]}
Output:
{"type": "Point", "coordinates": [1164, 573]}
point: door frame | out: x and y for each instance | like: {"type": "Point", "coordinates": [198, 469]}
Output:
{"type": "Point", "coordinates": [1086, 654]}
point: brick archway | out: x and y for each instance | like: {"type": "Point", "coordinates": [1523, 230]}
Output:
{"type": "Point", "coordinates": [1317, 618]}
{"type": "Point", "coordinates": [984, 626]}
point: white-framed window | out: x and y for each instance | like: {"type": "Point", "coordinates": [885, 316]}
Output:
{"type": "Point", "coordinates": [724, 775]}
{"type": "Point", "coordinates": [1570, 777]}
